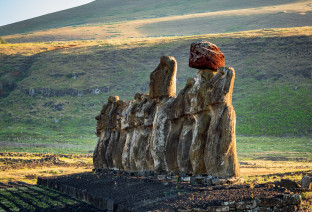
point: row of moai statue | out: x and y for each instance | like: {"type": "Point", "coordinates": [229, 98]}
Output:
{"type": "Point", "coordinates": [192, 133]}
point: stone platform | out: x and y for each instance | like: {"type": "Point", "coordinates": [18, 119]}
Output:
{"type": "Point", "coordinates": [112, 190]}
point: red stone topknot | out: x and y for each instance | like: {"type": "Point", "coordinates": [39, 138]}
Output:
{"type": "Point", "coordinates": [205, 55]}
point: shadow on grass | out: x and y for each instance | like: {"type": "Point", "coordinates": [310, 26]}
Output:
{"type": "Point", "coordinates": [37, 198]}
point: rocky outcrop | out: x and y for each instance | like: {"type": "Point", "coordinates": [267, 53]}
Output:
{"type": "Point", "coordinates": [306, 182]}
{"type": "Point", "coordinates": [193, 132]}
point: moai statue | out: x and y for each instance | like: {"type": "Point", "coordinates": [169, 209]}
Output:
{"type": "Point", "coordinates": [105, 121]}
{"type": "Point", "coordinates": [213, 149]}
{"type": "Point", "coordinates": [133, 123]}
{"type": "Point", "coordinates": [163, 78]}
{"type": "Point", "coordinates": [181, 131]}
{"type": "Point", "coordinates": [206, 57]}
{"type": "Point", "coordinates": [162, 89]}
{"type": "Point", "coordinates": [139, 143]}
{"type": "Point", "coordinates": [220, 149]}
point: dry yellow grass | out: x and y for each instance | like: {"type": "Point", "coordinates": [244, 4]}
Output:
{"type": "Point", "coordinates": [28, 49]}
{"type": "Point", "coordinates": [27, 167]}
{"type": "Point", "coordinates": [30, 175]}
{"type": "Point", "coordinates": [263, 167]}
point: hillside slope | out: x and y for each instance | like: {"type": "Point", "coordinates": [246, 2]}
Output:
{"type": "Point", "coordinates": [135, 19]}
{"type": "Point", "coordinates": [64, 84]}
{"type": "Point", "coordinates": [106, 11]}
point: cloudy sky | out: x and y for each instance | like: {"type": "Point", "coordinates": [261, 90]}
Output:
{"type": "Point", "coordinates": [17, 10]}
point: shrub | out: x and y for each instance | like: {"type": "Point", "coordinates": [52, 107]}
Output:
{"type": "Point", "coordinates": [68, 76]}
{"type": "Point", "coordinates": [2, 41]}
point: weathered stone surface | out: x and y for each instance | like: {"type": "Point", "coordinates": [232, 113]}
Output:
{"type": "Point", "coordinates": [289, 208]}
{"type": "Point", "coordinates": [163, 78]}
{"type": "Point", "coordinates": [230, 204]}
{"type": "Point", "coordinates": [269, 202]}
{"type": "Point", "coordinates": [205, 55]}
{"type": "Point", "coordinates": [192, 133]}
{"type": "Point", "coordinates": [246, 205]}
{"type": "Point", "coordinates": [220, 149]}
{"type": "Point", "coordinates": [218, 208]}
{"type": "Point", "coordinates": [291, 199]}
{"type": "Point", "coordinates": [262, 209]}
{"type": "Point", "coordinates": [306, 182]}
{"type": "Point", "coordinates": [234, 180]}
{"type": "Point", "coordinates": [216, 181]}
{"type": "Point", "coordinates": [193, 210]}
{"type": "Point", "coordinates": [199, 180]}
{"type": "Point", "coordinates": [197, 150]}
{"type": "Point", "coordinates": [286, 183]}
{"type": "Point", "coordinates": [158, 140]}
{"type": "Point", "coordinates": [207, 181]}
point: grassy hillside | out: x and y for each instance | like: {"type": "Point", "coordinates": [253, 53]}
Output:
{"type": "Point", "coordinates": [101, 20]}
{"type": "Point", "coordinates": [286, 15]}
{"type": "Point", "coordinates": [110, 11]}
{"type": "Point", "coordinates": [61, 86]}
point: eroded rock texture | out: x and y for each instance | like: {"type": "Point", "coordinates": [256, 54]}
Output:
{"type": "Point", "coordinates": [193, 132]}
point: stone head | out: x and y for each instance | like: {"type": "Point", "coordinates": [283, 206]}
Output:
{"type": "Point", "coordinates": [112, 99]}
{"type": "Point", "coordinates": [168, 61]}
{"type": "Point", "coordinates": [138, 97]}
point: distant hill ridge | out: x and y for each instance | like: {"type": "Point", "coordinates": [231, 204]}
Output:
{"type": "Point", "coordinates": [112, 11]}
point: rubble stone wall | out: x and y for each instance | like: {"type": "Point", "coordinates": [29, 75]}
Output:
{"type": "Point", "coordinates": [284, 202]}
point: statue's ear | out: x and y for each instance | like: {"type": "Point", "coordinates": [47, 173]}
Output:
{"type": "Point", "coordinates": [228, 80]}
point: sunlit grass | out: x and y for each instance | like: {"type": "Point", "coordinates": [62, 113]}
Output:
{"type": "Point", "coordinates": [27, 167]}
{"type": "Point", "coordinates": [31, 48]}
